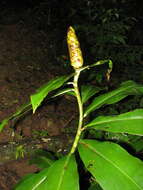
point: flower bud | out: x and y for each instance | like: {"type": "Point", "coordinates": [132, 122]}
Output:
{"type": "Point", "coordinates": [74, 49]}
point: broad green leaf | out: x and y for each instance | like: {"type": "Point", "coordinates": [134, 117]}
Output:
{"type": "Point", "coordinates": [42, 162]}
{"type": "Point", "coordinates": [112, 166]}
{"type": "Point", "coordinates": [130, 122]}
{"type": "Point", "coordinates": [43, 91]}
{"type": "Point", "coordinates": [87, 91]}
{"type": "Point", "coordinates": [125, 89]}
{"type": "Point", "coordinates": [61, 175]}
{"type": "Point", "coordinates": [32, 181]}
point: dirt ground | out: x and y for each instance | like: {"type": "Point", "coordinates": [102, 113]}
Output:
{"type": "Point", "coordinates": [25, 64]}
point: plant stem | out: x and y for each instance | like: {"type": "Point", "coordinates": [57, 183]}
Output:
{"type": "Point", "coordinates": [80, 107]}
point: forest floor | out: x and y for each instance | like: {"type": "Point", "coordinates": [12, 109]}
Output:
{"type": "Point", "coordinates": [24, 66]}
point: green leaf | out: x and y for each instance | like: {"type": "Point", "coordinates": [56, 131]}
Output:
{"type": "Point", "coordinates": [3, 123]}
{"type": "Point", "coordinates": [22, 109]}
{"type": "Point", "coordinates": [43, 91]}
{"type": "Point", "coordinates": [101, 62]}
{"type": "Point", "coordinates": [119, 39]}
{"type": "Point", "coordinates": [42, 159]}
{"type": "Point", "coordinates": [61, 175]}
{"type": "Point", "coordinates": [130, 122]}
{"type": "Point", "coordinates": [87, 91]}
{"type": "Point", "coordinates": [69, 91]}
{"type": "Point", "coordinates": [125, 89]}
{"type": "Point", "coordinates": [112, 166]}
{"type": "Point", "coordinates": [136, 142]}
{"type": "Point", "coordinates": [18, 113]}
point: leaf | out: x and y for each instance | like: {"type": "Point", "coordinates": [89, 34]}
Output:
{"type": "Point", "coordinates": [61, 175]}
{"type": "Point", "coordinates": [136, 142]}
{"type": "Point", "coordinates": [22, 109]}
{"type": "Point", "coordinates": [130, 122]}
{"type": "Point", "coordinates": [3, 123]}
{"type": "Point", "coordinates": [87, 91]}
{"type": "Point", "coordinates": [19, 112]}
{"type": "Point", "coordinates": [69, 91]}
{"type": "Point", "coordinates": [43, 91]}
{"type": "Point", "coordinates": [112, 166]}
{"type": "Point", "coordinates": [32, 181]}
{"type": "Point", "coordinates": [125, 89]}
{"type": "Point", "coordinates": [101, 62]}
{"type": "Point", "coordinates": [119, 39]}
{"type": "Point", "coordinates": [42, 159]}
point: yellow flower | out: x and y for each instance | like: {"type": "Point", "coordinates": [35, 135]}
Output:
{"type": "Point", "coordinates": [74, 49]}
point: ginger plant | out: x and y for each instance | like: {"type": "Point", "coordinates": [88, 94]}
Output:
{"type": "Point", "coordinates": [109, 164]}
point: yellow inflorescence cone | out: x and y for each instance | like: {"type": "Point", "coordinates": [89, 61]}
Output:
{"type": "Point", "coordinates": [74, 49]}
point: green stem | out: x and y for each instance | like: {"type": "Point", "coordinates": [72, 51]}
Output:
{"type": "Point", "coordinates": [80, 107]}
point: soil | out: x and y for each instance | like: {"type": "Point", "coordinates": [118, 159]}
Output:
{"type": "Point", "coordinates": [27, 61]}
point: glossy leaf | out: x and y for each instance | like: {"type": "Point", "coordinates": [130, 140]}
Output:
{"type": "Point", "coordinates": [130, 122]}
{"type": "Point", "coordinates": [61, 175]}
{"type": "Point", "coordinates": [87, 91]}
{"type": "Point", "coordinates": [42, 92]}
{"type": "Point", "coordinates": [125, 89]}
{"type": "Point", "coordinates": [112, 166]}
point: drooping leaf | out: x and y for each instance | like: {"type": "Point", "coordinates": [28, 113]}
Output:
{"type": "Point", "coordinates": [43, 91]}
{"type": "Point", "coordinates": [112, 166]}
{"type": "Point", "coordinates": [61, 175]}
{"type": "Point", "coordinates": [87, 91]}
{"type": "Point", "coordinates": [17, 114]}
{"type": "Point", "coordinates": [125, 89]}
{"type": "Point", "coordinates": [22, 109]}
{"type": "Point", "coordinates": [130, 122]}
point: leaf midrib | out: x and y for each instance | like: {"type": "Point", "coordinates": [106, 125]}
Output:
{"type": "Point", "coordinates": [63, 171]}
{"type": "Point", "coordinates": [111, 120]}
